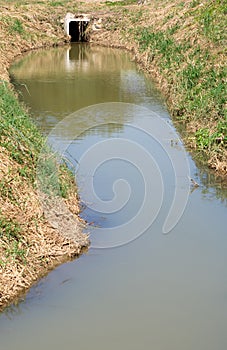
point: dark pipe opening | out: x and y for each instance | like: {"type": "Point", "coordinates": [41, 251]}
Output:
{"type": "Point", "coordinates": [77, 31]}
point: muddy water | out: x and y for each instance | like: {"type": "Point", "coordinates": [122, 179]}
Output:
{"type": "Point", "coordinates": [153, 286]}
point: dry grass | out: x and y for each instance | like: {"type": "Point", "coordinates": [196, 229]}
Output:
{"type": "Point", "coordinates": [37, 247]}
{"type": "Point", "coordinates": [30, 246]}
{"type": "Point", "coordinates": [37, 26]}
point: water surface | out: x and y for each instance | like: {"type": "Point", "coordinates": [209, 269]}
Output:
{"type": "Point", "coordinates": [161, 291]}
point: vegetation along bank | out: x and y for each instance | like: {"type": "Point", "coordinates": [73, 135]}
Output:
{"type": "Point", "coordinates": [29, 245]}
{"type": "Point", "coordinates": [182, 44]}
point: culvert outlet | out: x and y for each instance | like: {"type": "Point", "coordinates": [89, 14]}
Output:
{"type": "Point", "coordinates": [76, 26]}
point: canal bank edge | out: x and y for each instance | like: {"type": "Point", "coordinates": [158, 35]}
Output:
{"type": "Point", "coordinates": [29, 246]}
{"type": "Point", "coordinates": [149, 31]}
{"type": "Point", "coordinates": [182, 45]}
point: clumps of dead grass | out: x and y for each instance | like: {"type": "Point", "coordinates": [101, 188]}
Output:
{"type": "Point", "coordinates": [29, 245]}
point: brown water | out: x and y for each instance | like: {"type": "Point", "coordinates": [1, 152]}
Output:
{"type": "Point", "coordinates": [161, 282]}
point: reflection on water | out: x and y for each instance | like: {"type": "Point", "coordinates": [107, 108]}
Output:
{"type": "Point", "coordinates": [93, 75]}
{"type": "Point", "coordinates": [159, 291]}
{"type": "Point", "coordinates": [57, 82]}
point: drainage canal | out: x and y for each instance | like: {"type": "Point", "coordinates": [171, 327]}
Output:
{"type": "Point", "coordinates": [169, 290]}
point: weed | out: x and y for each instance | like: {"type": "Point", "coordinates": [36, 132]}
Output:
{"type": "Point", "coordinates": [56, 3]}
{"type": "Point", "coordinates": [16, 252]}
{"type": "Point", "coordinates": [14, 25]}
{"type": "Point", "coordinates": [136, 16]}
{"type": "Point", "coordinates": [173, 29]}
{"type": "Point", "coordinates": [120, 3]}
{"type": "Point", "coordinates": [25, 172]}
{"type": "Point", "coordinates": [2, 263]}
{"type": "Point", "coordinates": [11, 239]}
{"type": "Point", "coordinates": [203, 138]}
{"type": "Point", "coordinates": [207, 139]}
{"type": "Point", "coordinates": [6, 191]}
{"type": "Point", "coordinates": [181, 4]}
{"type": "Point", "coordinates": [17, 26]}
{"type": "Point", "coordinates": [18, 133]}
{"type": "Point", "coordinates": [168, 17]}
{"type": "Point", "coordinates": [9, 229]}
{"type": "Point", "coordinates": [54, 179]}
{"type": "Point", "coordinates": [212, 20]}
{"type": "Point", "coordinates": [194, 3]}
{"type": "Point", "coordinates": [161, 43]}
{"type": "Point", "coordinates": [191, 75]}
{"type": "Point", "coordinates": [47, 175]}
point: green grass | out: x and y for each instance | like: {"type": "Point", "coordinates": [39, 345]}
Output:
{"type": "Point", "coordinates": [9, 228]}
{"type": "Point", "coordinates": [13, 25]}
{"type": "Point", "coordinates": [186, 45]}
{"type": "Point", "coordinates": [212, 19]}
{"type": "Point", "coordinates": [206, 139]}
{"type": "Point", "coordinates": [6, 190]}
{"type": "Point", "coordinates": [15, 252]}
{"type": "Point", "coordinates": [17, 26]}
{"type": "Point", "coordinates": [161, 43]}
{"type": "Point", "coordinates": [200, 85]}
{"type": "Point", "coordinates": [53, 180]}
{"type": "Point", "coordinates": [56, 3]}
{"type": "Point", "coordinates": [23, 142]}
{"type": "Point", "coordinates": [19, 135]}
{"type": "Point", "coordinates": [120, 3]}
{"type": "Point", "coordinates": [10, 233]}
